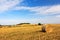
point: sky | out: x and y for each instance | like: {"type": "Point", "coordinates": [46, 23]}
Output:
{"type": "Point", "coordinates": [29, 11]}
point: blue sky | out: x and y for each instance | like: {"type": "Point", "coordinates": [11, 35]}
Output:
{"type": "Point", "coordinates": [31, 11]}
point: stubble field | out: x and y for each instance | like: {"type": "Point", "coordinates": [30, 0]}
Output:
{"type": "Point", "coordinates": [30, 32]}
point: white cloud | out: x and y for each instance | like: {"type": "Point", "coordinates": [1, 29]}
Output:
{"type": "Point", "coordinates": [45, 10]}
{"type": "Point", "coordinates": [8, 4]}
{"type": "Point", "coordinates": [55, 9]}
{"type": "Point", "coordinates": [58, 16]}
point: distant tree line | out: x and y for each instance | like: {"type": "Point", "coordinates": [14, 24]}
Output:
{"type": "Point", "coordinates": [16, 25]}
{"type": "Point", "coordinates": [39, 24]}
{"type": "Point", "coordinates": [22, 23]}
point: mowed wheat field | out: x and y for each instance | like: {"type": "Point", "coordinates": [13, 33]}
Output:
{"type": "Point", "coordinates": [30, 32]}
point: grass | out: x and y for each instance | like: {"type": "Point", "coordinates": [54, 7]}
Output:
{"type": "Point", "coordinates": [29, 32]}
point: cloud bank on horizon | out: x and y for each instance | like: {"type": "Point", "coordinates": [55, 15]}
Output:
{"type": "Point", "coordinates": [33, 11]}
